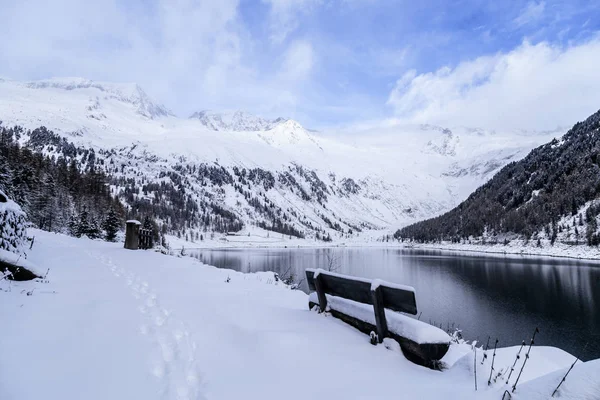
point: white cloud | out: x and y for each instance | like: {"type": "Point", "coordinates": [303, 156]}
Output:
{"type": "Point", "coordinates": [540, 86]}
{"type": "Point", "coordinates": [188, 54]}
{"type": "Point", "coordinates": [284, 16]}
{"type": "Point", "coordinates": [298, 62]}
{"type": "Point", "coordinates": [172, 44]}
{"type": "Point", "coordinates": [532, 12]}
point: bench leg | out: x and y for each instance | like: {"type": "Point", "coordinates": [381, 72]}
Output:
{"type": "Point", "coordinates": [378, 307]}
{"type": "Point", "coordinates": [321, 293]}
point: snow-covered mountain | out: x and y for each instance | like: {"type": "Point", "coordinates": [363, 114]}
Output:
{"type": "Point", "coordinates": [235, 121]}
{"type": "Point", "coordinates": [264, 172]}
{"type": "Point", "coordinates": [127, 93]}
{"type": "Point", "coordinates": [444, 145]}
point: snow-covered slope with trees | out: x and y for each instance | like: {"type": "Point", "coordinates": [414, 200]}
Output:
{"type": "Point", "coordinates": [222, 171]}
{"type": "Point", "coordinates": [552, 194]}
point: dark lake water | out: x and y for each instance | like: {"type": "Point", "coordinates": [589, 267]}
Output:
{"type": "Point", "coordinates": [497, 296]}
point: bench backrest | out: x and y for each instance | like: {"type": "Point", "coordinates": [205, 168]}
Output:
{"type": "Point", "coordinates": [394, 297]}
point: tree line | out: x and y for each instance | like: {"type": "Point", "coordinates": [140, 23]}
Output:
{"type": "Point", "coordinates": [56, 193]}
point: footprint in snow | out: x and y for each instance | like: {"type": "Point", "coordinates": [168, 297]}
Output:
{"type": "Point", "coordinates": [159, 321]}
{"type": "Point", "coordinates": [169, 353]}
{"type": "Point", "coordinates": [145, 329]}
{"type": "Point", "coordinates": [178, 335]}
{"type": "Point", "coordinates": [151, 301]}
{"type": "Point", "coordinates": [158, 370]}
{"type": "Point", "coordinates": [173, 361]}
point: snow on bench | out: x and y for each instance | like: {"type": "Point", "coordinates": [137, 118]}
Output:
{"type": "Point", "coordinates": [376, 306]}
{"type": "Point", "coordinates": [403, 325]}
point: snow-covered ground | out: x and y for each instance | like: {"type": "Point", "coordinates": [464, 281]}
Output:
{"type": "Point", "coordinates": [253, 237]}
{"type": "Point", "coordinates": [110, 323]}
{"type": "Point", "coordinates": [518, 247]}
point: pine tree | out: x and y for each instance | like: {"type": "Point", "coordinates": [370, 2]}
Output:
{"type": "Point", "coordinates": [5, 176]}
{"type": "Point", "coordinates": [83, 224]}
{"type": "Point", "coordinates": [12, 226]}
{"type": "Point", "coordinates": [150, 224]}
{"type": "Point", "coordinates": [73, 226]}
{"type": "Point", "coordinates": [573, 206]}
{"type": "Point", "coordinates": [111, 225]}
{"type": "Point", "coordinates": [591, 231]}
{"type": "Point", "coordinates": [94, 231]}
{"type": "Point", "coordinates": [147, 224]}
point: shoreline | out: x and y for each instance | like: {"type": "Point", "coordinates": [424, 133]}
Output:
{"type": "Point", "coordinates": [582, 252]}
{"type": "Point", "coordinates": [520, 251]}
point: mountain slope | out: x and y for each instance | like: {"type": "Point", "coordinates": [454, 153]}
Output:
{"type": "Point", "coordinates": [234, 121]}
{"type": "Point", "coordinates": [126, 93]}
{"type": "Point", "coordinates": [282, 177]}
{"type": "Point", "coordinates": [551, 192]}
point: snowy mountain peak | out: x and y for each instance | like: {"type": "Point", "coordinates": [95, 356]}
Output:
{"type": "Point", "coordinates": [290, 132]}
{"type": "Point", "coordinates": [290, 124]}
{"type": "Point", "coordinates": [444, 145]}
{"type": "Point", "coordinates": [235, 121]}
{"type": "Point", "coordinates": [130, 93]}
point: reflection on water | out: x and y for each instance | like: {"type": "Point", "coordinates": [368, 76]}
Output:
{"type": "Point", "coordinates": [503, 297]}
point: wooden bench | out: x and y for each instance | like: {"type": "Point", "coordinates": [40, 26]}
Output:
{"type": "Point", "coordinates": [362, 303]}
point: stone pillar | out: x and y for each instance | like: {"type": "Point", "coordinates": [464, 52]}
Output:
{"type": "Point", "coordinates": [132, 231]}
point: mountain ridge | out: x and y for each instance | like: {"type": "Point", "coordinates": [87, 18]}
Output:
{"type": "Point", "coordinates": [125, 92]}
{"type": "Point", "coordinates": [283, 175]}
{"type": "Point", "coordinates": [235, 121]}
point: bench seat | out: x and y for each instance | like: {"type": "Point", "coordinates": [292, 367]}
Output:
{"type": "Point", "coordinates": [420, 342]}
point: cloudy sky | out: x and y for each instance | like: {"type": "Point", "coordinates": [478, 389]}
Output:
{"type": "Point", "coordinates": [495, 64]}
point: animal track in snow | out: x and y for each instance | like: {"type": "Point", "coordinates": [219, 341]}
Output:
{"type": "Point", "coordinates": [173, 359]}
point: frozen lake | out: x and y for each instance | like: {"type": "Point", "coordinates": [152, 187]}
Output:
{"type": "Point", "coordinates": [502, 297]}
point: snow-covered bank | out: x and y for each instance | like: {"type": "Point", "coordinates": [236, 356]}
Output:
{"type": "Point", "coordinates": [119, 324]}
{"type": "Point", "coordinates": [372, 239]}
{"type": "Point", "coordinates": [253, 237]}
{"type": "Point", "coordinates": [517, 247]}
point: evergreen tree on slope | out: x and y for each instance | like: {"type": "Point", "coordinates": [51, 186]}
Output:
{"type": "Point", "coordinates": [111, 225]}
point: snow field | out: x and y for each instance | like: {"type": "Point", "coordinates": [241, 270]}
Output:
{"type": "Point", "coordinates": [119, 324]}
{"type": "Point", "coordinates": [173, 358]}
{"type": "Point", "coordinates": [517, 247]}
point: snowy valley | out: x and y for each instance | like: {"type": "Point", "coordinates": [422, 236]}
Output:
{"type": "Point", "coordinates": [220, 172]}
{"type": "Point", "coordinates": [141, 324]}
{"type": "Point", "coordinates": [299, 200]}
